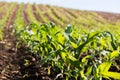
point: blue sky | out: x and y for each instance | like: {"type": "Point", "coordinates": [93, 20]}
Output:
{"type": "Point", "coordinates": [96, 5]}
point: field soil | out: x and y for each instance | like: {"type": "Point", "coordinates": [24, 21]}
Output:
{"type": "Point", "coordinates": [13, 61]}
{"type": "Point", "coordinates": [111, 17]}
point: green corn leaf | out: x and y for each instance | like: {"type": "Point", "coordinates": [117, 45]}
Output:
{"type": "Point", "coordinates": [113, 45]}
{"type": "Point", "coordinates": [74, 62]}
{"type": "Point", "coordinates": [79, 49]}
{"type": "Point", "coordinates": [60, 38]}
{"type": "Point", "coordinates": [63, 55]}
{"type": "Point", "coordinates": [83, 77]}
{"type": "Point", "coordinates": [68, 30]}
{"type": "Point", "coordinates": [49, 38]}
{"type": "Point", "coordinates": [113, 40]}
{"type": "Point", "coordinates": [70, 38]}
{"type": "Point", "coordinates": [89, 70]}
{"type": "Point", "coordinates": [73, 45]}
{"type": "Point", "coordinates": [85, 58]}
{"type": "Point", "coordinates": [114, 54]}
{"type": "Point", "coordinates": [52, 25]}
{"type": "Point", "coordinates": [114, 75]}
{"type": "Point", "coordinates": [104, 67]}
{"type": "Point", "coordinates": [72, 58]}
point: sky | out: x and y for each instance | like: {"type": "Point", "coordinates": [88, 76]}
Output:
{"type": "Point", "coordinates": [94, 5]}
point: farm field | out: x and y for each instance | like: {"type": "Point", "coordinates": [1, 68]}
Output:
{"type": "Point", "coordinates": [42, 42]}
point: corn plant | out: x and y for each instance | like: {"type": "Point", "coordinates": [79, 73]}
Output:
{"type": "Point", "coordinates": [73, 54]}
{"type": "Point", "coordinates": [19, 22]}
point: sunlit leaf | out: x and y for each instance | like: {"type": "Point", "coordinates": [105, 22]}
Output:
{"type": "Point", "coordinates": [74, 45]}
{"type": "Point", "coordinates": [89, 70]}
{"type": "Point", "coordinates": [104, 67]}
{"type": "Point", "coordinates": [63, 55]}
{"type": "Point", "coordinates": [113, 75]}
{"type": "Point", "coordinates": [113, 54]}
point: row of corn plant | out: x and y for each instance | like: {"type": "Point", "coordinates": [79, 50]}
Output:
{"type": "Point", "coordinates": [30, 14]}
{"type": "Point", "coordinates": [59, 14]}
{"type": "Point", "coordinates": [95, 22]}
{"type": "Point", "coordinates": [19, 21]}
{"type": "Point", "coordinates": [5, 18]}
{"type": "Point", "coordinates": [73, 54]}
{"type": "Point", "coordinates": [72, 18]}
{"type": "Point", "coordinates": [50, 12]}
{"type": "Point", "coordinates": [2, 7]}
{"type": "Point", "coordinates": [47, 13]}
{"type": "Point", "coordinates": [8, 11]}
{"type": "Point", "coordinates": [1, 33]}
{"type": "Point", "coordinates": [40, 13]}
{"type": "Point", "coordinates": [68, 16]}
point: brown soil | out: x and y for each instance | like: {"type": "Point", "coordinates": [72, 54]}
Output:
{"type": "Point", "coordinates": [111, 17]}
{"type": "Point", "coordinates": [8, 66]}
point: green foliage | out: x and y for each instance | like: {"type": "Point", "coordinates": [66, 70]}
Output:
{"type": "Point", "coordinates": [19, 21]}
{"type": "Point", "coordinates": [71, 53]}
